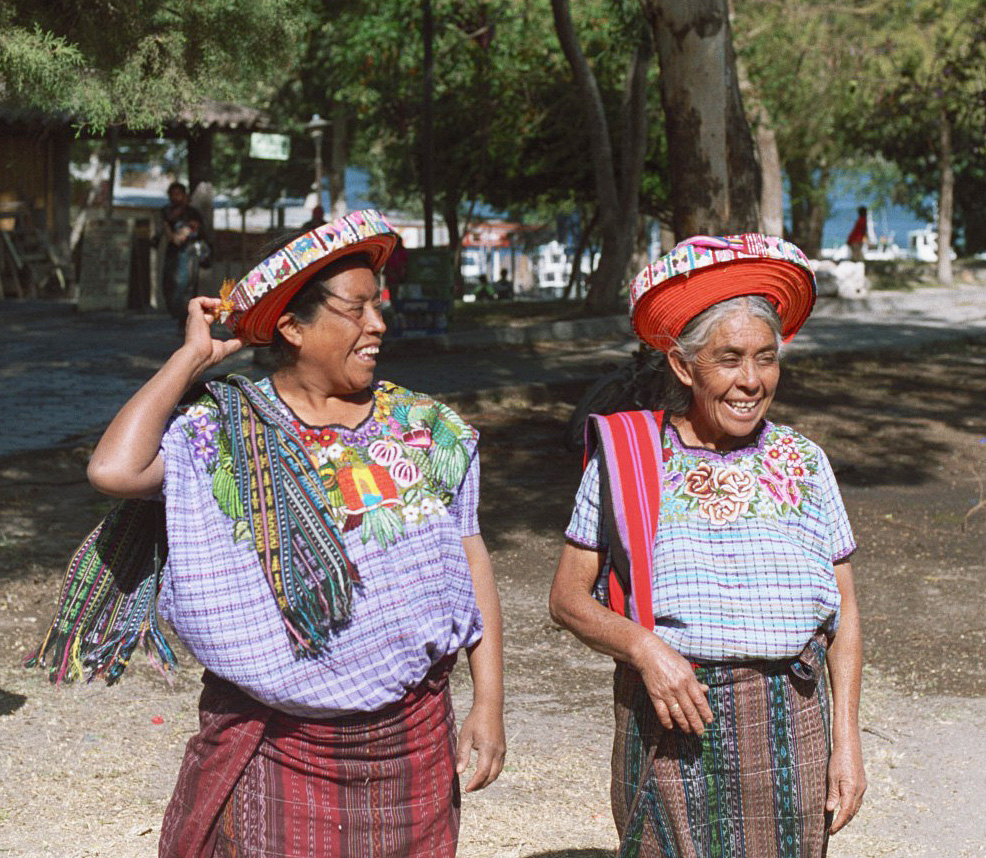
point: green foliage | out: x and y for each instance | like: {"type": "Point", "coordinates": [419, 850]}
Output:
{"type": "Point", "coordinates": [812, 67]}
{"type": "Point", "coordinates": [39, 63]}
{"type": "Point", "coordinates": [140, 63]}
{"type": "Point", "coordinates": [936, 73]}
{"type": "Point", "coordinates": [507, 126]}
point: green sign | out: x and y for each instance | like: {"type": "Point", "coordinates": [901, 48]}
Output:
{"type": "Point", "coordinates": [429, 273]}
{"type": "Point", "coordinates": [270, 147]}
{"type": "Point", "coordinates": [424, 305]}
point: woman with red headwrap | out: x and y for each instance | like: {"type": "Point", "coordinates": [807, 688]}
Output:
{"type": "Point", "coordinates": [708, 554]}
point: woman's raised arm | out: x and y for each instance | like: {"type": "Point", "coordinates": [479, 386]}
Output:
{"type": "Point", "coordinates": [125, 462]}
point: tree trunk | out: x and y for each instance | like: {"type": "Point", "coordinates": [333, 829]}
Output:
{"type": "Point", "coordinates": [337, 164]}
{"type": "Point", "coordinates": [715, 180]}
{"type": "Point", "coordinates": [772, 186]}
{"type": "Point", "coordinates": [585, 230]}
{"type": "Point", "coordinates": [450, 213]}
{"type": "Point", "coordinates": [809, 205]}
{"type": "Point", "coordinates": [946, 200]}
{"type": "Point", "coordinates": [768, 156]}
{"type": "Point", "coordinates": [968, 201]}
{"type": "Point", "coordinates": [618, 196]}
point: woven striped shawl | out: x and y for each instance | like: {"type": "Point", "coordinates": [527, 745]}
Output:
{"type": "Point", "coordinates": [631, 465]}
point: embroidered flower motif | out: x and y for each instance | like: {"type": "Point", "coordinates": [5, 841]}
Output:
{"type": "Point", "coordinates": [774, 467]}
{"type": "Point", "coordinates": [321, 455]}
{"type": "Point", "coordinates": [204, 427]}
{"type": "Point", "coordinates": [419, 437]}
{"type": "Point", "coordinates": [203, 449]}
{"type": "Point", "coordinates": [698, 481]}
{"type": "Point", "coordinates": [779, 482]}
{"type": "Point", "coordinates": [393, 470]}
{"type": "Point", "coordinates": [432, 506]}
{"type": "Point", "coordinates": [771, 480]}
{"type": "Point", "coordinates": [724, 493]}
{"type": "Point", "coordinates": [723, 509]}
{"type": "Point", "coordinates": [734, 483]}
{"type": "Point", "coordinates": [195, 411]}
{"type": "Point", "coordinates": [385, 451]}
{"type": "Point", "coordinates": [405, 473]}
{"type": "Point", "coordinates": [782, 489]}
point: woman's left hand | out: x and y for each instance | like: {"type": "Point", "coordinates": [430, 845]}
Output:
{"type": "Point", "coordinates": [846, 781]}
{"type": "Point", "coordinates": [483, 730]}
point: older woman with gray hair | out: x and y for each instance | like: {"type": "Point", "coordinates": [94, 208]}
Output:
{"type": "Point", "coordinates": [708, 554]}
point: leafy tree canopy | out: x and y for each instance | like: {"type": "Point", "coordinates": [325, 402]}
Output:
{"type": "Point", "coordinates": [139, 63]}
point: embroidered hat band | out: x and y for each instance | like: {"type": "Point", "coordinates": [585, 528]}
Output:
{"type": "Point", "coordinates": [706, 270]}
{"type": "Point", "coordinates": [251, 307]}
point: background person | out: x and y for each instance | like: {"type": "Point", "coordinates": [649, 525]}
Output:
{"type": "Point", "coordinates": [504, 286]}
{"type": "Point", "coordinates": [317, 218]}
{"type": "Point", "coordinates": [720, 543]}
{"type": "Point", "coordinates": [181, 226]}
{"type": "Point", "coordinates": [324, 563]}
{"type": "Point", "coordinates": [858, 235]}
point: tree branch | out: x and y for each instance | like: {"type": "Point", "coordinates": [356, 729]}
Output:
{"type": "Point", "coordinates": [595, 117]}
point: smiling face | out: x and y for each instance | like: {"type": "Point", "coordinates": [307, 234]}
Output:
{"type": "Point", "coordinates": [341, 343]}
{"type": "Point", "coordinates": [733, 379]}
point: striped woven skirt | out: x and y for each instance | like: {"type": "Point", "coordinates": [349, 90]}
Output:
{"type": "Point", "coordinates": [754, 784]}
{"type": "Point", "coordinates": [256, 782]}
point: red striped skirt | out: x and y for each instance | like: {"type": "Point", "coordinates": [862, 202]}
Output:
{"type": "Point", "coordinates": [754, 784]}
{"type": "Point", "coordinates": [256, 782]}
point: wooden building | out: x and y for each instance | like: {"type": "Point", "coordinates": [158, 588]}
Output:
{"type": "Point", "coordinates": [36, 226]}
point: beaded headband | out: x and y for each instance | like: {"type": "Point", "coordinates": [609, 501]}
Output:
{"type": "Point", "coordinates": [251, 307]}
{"type": "Point", "coordinates": [706, 270]}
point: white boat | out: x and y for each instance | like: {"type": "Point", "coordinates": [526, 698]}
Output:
{"type": "Point", "coordinates": [922, 244]}
{"type": "Point", "coordinates": [883, 249]}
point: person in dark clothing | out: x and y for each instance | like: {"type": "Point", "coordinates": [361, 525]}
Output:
{"type": "Point", "coordinates": [317, 218]}
{"type": "Point", "coordinates": [181, 225]}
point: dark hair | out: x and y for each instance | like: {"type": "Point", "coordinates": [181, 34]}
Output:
{"type": "Point", "coordinates": [177, 186]}
{"type": "Point", "coordinates": [305, 302]}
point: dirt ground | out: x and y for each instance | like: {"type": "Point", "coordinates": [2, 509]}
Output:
{"type": "Point", "coordinates": [87, 770]}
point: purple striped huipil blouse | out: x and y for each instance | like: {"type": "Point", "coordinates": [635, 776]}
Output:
{"type": "Point", "coordinates": [414, 606]}
{"type": "Point", "coordinates": [743, 560]}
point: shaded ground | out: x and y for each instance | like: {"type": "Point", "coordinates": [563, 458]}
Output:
{"type": "Point", "coordinates": [84, 770]}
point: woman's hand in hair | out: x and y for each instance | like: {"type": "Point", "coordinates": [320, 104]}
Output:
{"type": "Point", "coordinates": [199, 341]}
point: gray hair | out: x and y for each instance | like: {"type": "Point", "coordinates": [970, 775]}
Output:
{"type": "Point", "coordinates": [696, 334]}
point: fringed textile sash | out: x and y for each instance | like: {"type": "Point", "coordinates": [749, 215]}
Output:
{"type": "Point", "coordinates": [631, 468]}
{"type": "Point", "coordinates": [288, 513]}
{"type": "Point", "coordinates": [108, 602]}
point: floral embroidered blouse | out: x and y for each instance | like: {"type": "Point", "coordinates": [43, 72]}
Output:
{"type": "Point", "coordinates": [404, 491]}
{"type": "Point", "coordinates": [746, 545]}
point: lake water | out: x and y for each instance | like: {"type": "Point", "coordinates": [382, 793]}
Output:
{"type": "Point", "coordinates": [890, 221]}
